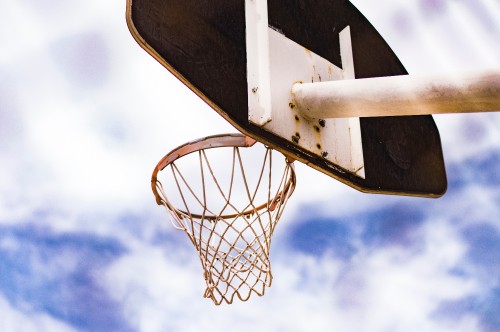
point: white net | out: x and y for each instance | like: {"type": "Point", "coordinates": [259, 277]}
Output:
{"type": "Point", "coordinates": [228, 213]}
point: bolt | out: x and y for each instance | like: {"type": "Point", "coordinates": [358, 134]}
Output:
{"type": "Point", "coordinates": [322, 122]}
{"type": "Point", "coordinates": [324, 154]}
{"type": "Point", "coordinates": [295, 138]}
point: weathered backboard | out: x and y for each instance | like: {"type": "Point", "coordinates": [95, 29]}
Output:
{"type": "Point", "coordinates": [221, 50]}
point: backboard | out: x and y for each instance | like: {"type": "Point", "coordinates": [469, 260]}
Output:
{"type": "Point", "coordinates": [242, 56]}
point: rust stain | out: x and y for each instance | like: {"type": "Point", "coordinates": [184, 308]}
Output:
{"type": "Point", "coordinates": [296, 136]}
{"type": "Point", "coordinates": [319, 138]}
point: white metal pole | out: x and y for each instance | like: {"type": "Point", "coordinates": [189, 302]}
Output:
{"type": "Point", "coordinates": [399, 95]}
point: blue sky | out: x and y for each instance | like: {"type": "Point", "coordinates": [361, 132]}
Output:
{"type": "Point", "coordinates": [85, 114]}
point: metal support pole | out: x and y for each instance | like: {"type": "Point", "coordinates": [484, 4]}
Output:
{"type": "Point", "coordinates": [398, 95]}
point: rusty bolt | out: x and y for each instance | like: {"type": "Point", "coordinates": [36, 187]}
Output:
{"type": "Point", "coordinates": [322, 122]}
{"type": "Point", "coordinates": [295, 138]}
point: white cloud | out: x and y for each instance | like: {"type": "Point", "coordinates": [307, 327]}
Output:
{"type": "Point", "coordinates": [13, 320]}
{"type": "Point", "coordinates": [455, 38]}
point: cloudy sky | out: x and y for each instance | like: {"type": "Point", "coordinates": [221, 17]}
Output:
{"type": "Point", "coordinates": [85, 114]}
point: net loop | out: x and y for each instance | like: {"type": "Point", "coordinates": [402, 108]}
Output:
{"type": "Point", "coordinates": [233, 235]}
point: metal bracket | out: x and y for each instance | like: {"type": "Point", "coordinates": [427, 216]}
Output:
{"type": "Point", "coordinates": [274, 64]}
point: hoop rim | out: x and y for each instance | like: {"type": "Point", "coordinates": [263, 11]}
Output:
{"type": "Point", "coordinates": [217, 141]}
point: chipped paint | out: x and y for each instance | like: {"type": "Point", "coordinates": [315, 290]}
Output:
{"type": "Point", "coordinates": [289, 63]}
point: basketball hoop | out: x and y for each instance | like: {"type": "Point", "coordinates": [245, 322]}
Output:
{"type": "Point", "coordinates": [231, 229]}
